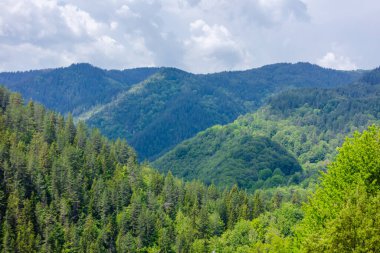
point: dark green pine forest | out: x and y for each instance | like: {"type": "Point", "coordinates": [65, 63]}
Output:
{"type": "Point", "coordinates": [284, 158]}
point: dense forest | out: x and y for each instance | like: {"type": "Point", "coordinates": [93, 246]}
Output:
{"type": "Point", "coordinates": [74, 89]}
{"type": "Point", "coordinates": [226, 157]}
{"type": "Point", "coordinates": [309, 124]}
{"type": "Point", "coordinates": [67, 188]}
{"type": "Point", "coordinates": [157, 108]}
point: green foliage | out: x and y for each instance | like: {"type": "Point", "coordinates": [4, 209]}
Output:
{"type": "Point", "coordinates": [66, 188]}
{"type": "Point", "coordinates": [342, 216]}
{"type": "Point", "coordinates": [157, 108]}
{"type": "Point", "coordinates": [306, 123]}
{"type": "Point", "coordinates": [231, 158]}
{"type": "Point", "coordinates": [270, 232]}
{"type": "Point", "coordinates": [372, 77]}
{"type": "Point", "coordinates": [73, 89]}
{"type": "Point", "coordinates": [172, 105]}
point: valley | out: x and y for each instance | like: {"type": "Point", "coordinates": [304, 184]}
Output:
{"type": "Point", "coordinates": [260, 172]}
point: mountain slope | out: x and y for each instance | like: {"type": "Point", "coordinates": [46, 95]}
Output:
{"type": "Point", "coordinates": [308, 123]}
{"type": "Point", "coordinates": [173, 105]}
{"type": "Point", "coordinates": [67, 188]}
{"type": "Point", "coordinates": [157, 108]}
{"type": "Point", "coordinates": [225, 157]}
{"type": "Point", "coordinates": [75, 88]}
{"type": "Point", "coordinates": [372, 77]}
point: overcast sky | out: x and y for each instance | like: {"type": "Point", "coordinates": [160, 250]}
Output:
{"type": "Point", "coordinates": [195, 35]}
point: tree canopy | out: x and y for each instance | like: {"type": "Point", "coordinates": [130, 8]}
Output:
{"type": "Point", "coordinates": [343, 213]}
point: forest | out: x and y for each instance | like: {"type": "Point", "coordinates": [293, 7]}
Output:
{"type": "Point", "coordinates": [189, 126]}
{"type": "Point", "coordinates": [67, 188]}
{"type": "Point", "coordinates": [157, 108]}
{"type": "Point", "coordinates": [304, 127]}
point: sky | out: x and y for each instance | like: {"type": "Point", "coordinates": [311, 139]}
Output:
{"type": "Point", "coordinates": [200, 36]}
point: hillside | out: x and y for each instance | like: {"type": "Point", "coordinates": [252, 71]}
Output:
{"type": "Point", "coordinates": [226, 157]}
{"type": "Point", "coordinates": [308, 123]}
{"type": "Point", "coordinates": [157, 108]}
{"type": "Point", "coordinates": [75, 88]}
{"type": "Point", "coordinates": [67, 188]}
{"type": "Point", "coordinates": [173, 105]}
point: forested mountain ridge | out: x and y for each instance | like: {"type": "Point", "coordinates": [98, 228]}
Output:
{"type": "Point", "coordinates": [66, 188]}
{"type": "Point", "coordinates": [172, 106]}
{"type": "Point", "coordinates": [226, 157]}
{"type": "Point", "coordinates": [308, 123]}
{"type": "Point", "coordinates": [156, 108]}
{"type": "Point", "coordinates": [372, 77]}
{"type": "Point", "coordinates": [74, 89]}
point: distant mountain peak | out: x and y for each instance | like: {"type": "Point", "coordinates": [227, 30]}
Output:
{"type": "Point", "coordinates": [157, 108]}
{"type": "Point", "coordinates": [172, 70]}
{"type": "Point", "coordinates": [81, 64]}
{"type": "Point", "coordinates": [372, 77]}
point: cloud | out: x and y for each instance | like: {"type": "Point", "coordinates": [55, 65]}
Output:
{"type": "Point", "coordinates": [62, 33]}
{"type": "Point", "coordinates": [196, 35]}
{"type": "Point", "coordinates": [213, 45]}
{"type": "Point", "coordinates": [26, 56]}
{"type": "Point", "coordinates": [278, 11]}
{"type": "Point", "coordinates": [330, 60]}
{"type": "Point", "coordinates": [265, 13]}
{"type": "Point", "coordinates": [78, 21]}
{"type": "Point", "coordinates": [44, 22]}
{"type": "Point", "coordinates": [193, 2]}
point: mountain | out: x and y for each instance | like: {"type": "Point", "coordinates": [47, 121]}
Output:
{"type": "Point", "coordinates": [157, 108]}
{"type": "Point", "coordinates": [75, 88]}
{"type": "Point", "coordinates": [341, 214]}
{"type": "Point", "coordinates": [372, 77]}
{"type": "Point", "coordinates": [173, 105]}
{"type": "Point", "coordinates": [226, 157]}
{"type": "Point", "coordinates": [67, 188]}
{"type": "Point", "coordinates": [307, 123]}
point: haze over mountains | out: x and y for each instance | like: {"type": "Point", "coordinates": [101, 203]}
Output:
{"type": "Point", "coordinates": [157, 108]}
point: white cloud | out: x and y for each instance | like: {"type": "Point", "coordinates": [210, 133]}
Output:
{"type": "Point", "coordinates": [281, 10]}
{"type": "Point", "coordinates": [212, 45]}
{"type": "Point", "coordinates": [197, 35]}
{"type": "Point", "coordinates": [63, 33]}
{"type": "Point", "coordinates": [79, 22]}
{"type": "Point", "coordinates": [265, 13]}
{"type": "Point", "coordinates": [26, 56]}
{"type": "Point", "coordinates": [125, 11]}
{"type": "Point", "coordinates": [331, 60]}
